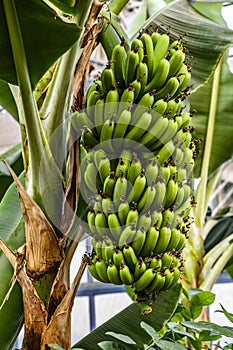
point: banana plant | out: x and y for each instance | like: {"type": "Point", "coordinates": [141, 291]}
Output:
{"type": "Point", "coordinates": [47, 47]}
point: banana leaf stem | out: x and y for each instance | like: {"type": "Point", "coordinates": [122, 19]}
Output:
{"type": "Point", "coordinates": [83, 8]}
{"type": "Point", "coordinates": [116, 6]}
{"type": "Point", "coordinates": [217, 268]}
{"type": "Point", "coordinates": [202, 187]}
{"type": "Point", "coordinates": [34, 130]}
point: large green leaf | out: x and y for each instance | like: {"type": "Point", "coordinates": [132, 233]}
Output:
{"type": "Point", "coordinates": [201, 36]}
{"type": "Point", "coordinates": [46, 37]}
{"type": "Point", "coordinates": [222, 146]}
{"type": "Point", "coordinates": [7, 99]}
{"type": "Point", "coordinates": [163, 308]}
{"type": "Point", "coordinates": [12, 232]}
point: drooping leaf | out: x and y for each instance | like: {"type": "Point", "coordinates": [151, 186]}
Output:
{"type": "Point", "coordinates": [150, 330]}
{"type": "Point", "coordinates": [170, 345]}
{"type": "Point", "coordinates": [110, 345]}
{"type": "Point", "coordinates": [7, 100]}
{"type": "Point", "coordinates": [46, 37]}
{"type": "Point", "coordinates": [226, 313]}
{"type": "Point", "coordinates": [12, 231]}
{"type": "Point", "coordinates": [222, 140]}
{"type": "Point", "coordinates": [122, 337]}
{"type": "Point", "coordinates": [163, 308]}
{"type": "Point", "coordinates": [209, 326]}
{"type": "Point", "coordinates": [203, 298]}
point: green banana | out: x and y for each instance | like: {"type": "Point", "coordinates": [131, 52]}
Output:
{"type": "Point", "coordinates": [126, 100]}
{"type": "Point", "coordinates": [132, 216]}
{"type": "Point", "coordinates": [176, 61]}
{"type": "Point", "coordinates": [130, 257]}
{"type": "Point", "coordinates": [137, 86]}
{"type": "Point", "coordinates": [109, 184]}
{"type": "Point", "coordinates": [165, 172]}
{"type": "Point", "coordinates": [174, 240]}
{"type": "Point", "coordinates": [140, 127]}
{"type": "Point", "coordinates": [104, 168]}
{"type": "Point", "coordinates": [113, 274]}
{"type": "Point", "coordinates": [172, 107]}
{"type": "Point", "coordinates": [125, 275]}
{"type": "Point", "coordinates": [163, 240]}
{"type": "Point", "coordinates": [166, 152]}
{"type": "Point", "coordinates": [99, 114]}
{"type": "Point", "coordinates": [167, 259]}
{"type": "Point", "coordinates": [122, 167]}
{"type": "Point", "coordinates": [90, 175]}
{"type": "Point", "coordinates": [91, 221]}
{"type": "Point", "coordinates": [169, 89]}
{"type": "Point", "coordinates": [135, 169]}
{"type": "Point", "coordinates": [156, 218]}
{"type": "Point", "coordinates": [156, 262]}
{"type": "Point", "coordinates": [93, 272]}
{"type": "Point", "coordinates": [120, 189]}
{"type": "Point", "coordinates": [157, 284]}
{"type": "Point", "coordinates": [142, 76]}
{"type": "Point", "coordinates": [107, 205]}
{"type": "Point", "coordinates": [147, 198]}
{"type": "Point", "coordinates": [88, 138]}
{"type": "Point", "coordinates": [145, 280]}
{"type": "Point", "coordinates": [106, 134]}
{"type": "Point", "coordinates": [168, 278]}
{"type": "Point", "coordinates": [149, 52]}
{"type": "Point", "coordinates": [139, 240]}
{"type": "Point", "coordinates": [122, 124]}
{"type": "Point", "coordinates": [96, 86]}
{"type": "Point", "coordinates": [171, 193]}
{"type": "Point", "coordinates": [108, 78]}
{"type": "Point", "coordinates": [160, 50]}
{"type": "Point", "coordinates": [81, 121]}
{"type": "Point", "coordinates": [176, 276]}
{"type": "Point", "coordinates": [101, 224]}
{"type": "Point", "coordinates": [160, 188]}
{"type": "Point", "coordinates": [107, 249]}
{"type": "Point", "coordinates": [114, 225]}
{"type": "Point", "coordinates": [111, 103]}
{"type": "Point", "coordinates": [146, 102]}
{"type": "Point", "coordinates": [118, 257]}
{"type": "Point", "coordinates": [168, 216]}
{"type": "Point", "coordinates": [139, 186]}
{"type": "Point", "coordinates": [144, 221]}
{"type": "Point", "coordinates": [101, 269]}
{"type": "Point", "coordinates": [155, 37]}
{"type": "Point", "coordinates": [123, 210]}
{"type": "Point", "coordinates": [150, 242]}
{"type": "Point", "coordinates": [132, 60]}
{"type": "Point", "coordinates": [138, 45]}
{"type": "Point", "coordinates": [139, 269]}
{"type": "Point", "coordinates": [118, 62]}
{"type": "Point", "coordinates": [160, 106]}
{"type": "Point", "coordinates": [155, 132]}
{"type": "Point", "coordinates": [151, 172]}
{"type": "Point", "coordinates": [160, 76]}
{"type": "Point", "coordinates": [91, 101]}
{"type": "Point", "coordinates": [182, 242]}
{"type": "Point", "coordinates": [127, 235]}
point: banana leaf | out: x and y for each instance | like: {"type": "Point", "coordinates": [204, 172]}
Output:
{"type": "Point", "coordinates": [128, 321]}
{"type": "Point", "coordinates": [222, 146]}
{"type": "Point", "coordinates": [7, 100]}
{"type": "Point", "coordinates": [46, 37]}
{"type": "Point", "coordinates": [12, 232]}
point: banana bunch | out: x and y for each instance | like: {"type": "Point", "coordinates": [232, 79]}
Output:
{"type": "Point", "coordinates": [136, 177]}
